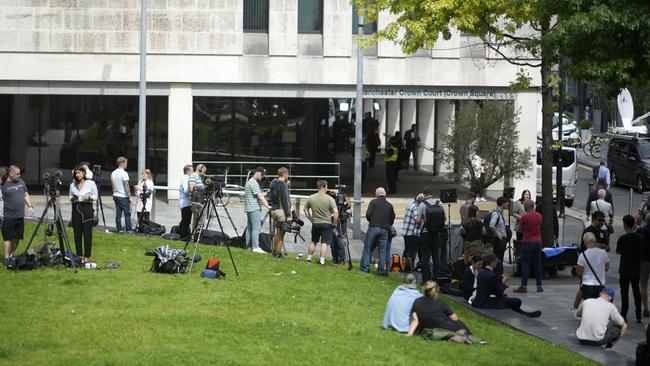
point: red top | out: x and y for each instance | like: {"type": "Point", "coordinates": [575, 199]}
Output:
{"type": "Point", "coordinates": [531, 226]}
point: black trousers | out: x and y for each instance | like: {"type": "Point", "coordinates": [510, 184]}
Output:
{"type": "Point", "coordinates": [411, 246]}
{"type": "Point", "coordinates": [590, 292]}
{"type": "Point", "coordinates": [625, 282]}
{"type": "Point", "coordinates": [430, 245]}
{"type": "Point", "coordinates": [499, 247]}
{"type": "Point", "coordinates": [184, 225]}
{"type": "Point", "coordinates": [391, 176]}
{"type": "Point", "coordinates": [82, 225]}
{"type": "Point", "coordinates": [513, 303]}
{"type": "Point", "coordinates": [411, 150]}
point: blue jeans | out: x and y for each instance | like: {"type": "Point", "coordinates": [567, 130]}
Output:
{"type": "Point", "coordinates": [375, 236]}
{"type": "Point", "coordinates": [253, 229]}
{"type": "Point", "coordinates": [122, 204]}
{"type": "Point", "coordinates": [531, 250]}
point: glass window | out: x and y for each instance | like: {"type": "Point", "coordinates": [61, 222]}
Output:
{"type": "Point", "coordinates": [644, 149]}
{"type": "Point", "coordinates": [568, 157]}
{"type": "Point", "coordinates": [256, 16]}
{"type": "Point", "coordinates": [310, 16]}
{"type": "Point", "coordinates": [368, 28]}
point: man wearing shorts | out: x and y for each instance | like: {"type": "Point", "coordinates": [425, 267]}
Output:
{"type": "Point", "coordinates": [280, 208]}
{"type": "Point", "coordinates": [324, 216]}
{"type": "Point", "coordinates": [15, 196]}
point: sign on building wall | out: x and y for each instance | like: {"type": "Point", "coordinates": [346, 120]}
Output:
{"type": "Point", "coordinates": [414, 92]}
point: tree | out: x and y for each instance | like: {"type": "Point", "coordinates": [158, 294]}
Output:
{"type": "Point", "coordinates": [527, 27]}
{"type": "Point", "coordinates": [487, 130]}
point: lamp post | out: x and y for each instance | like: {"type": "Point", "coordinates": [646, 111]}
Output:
{"type": "Point", "coordinates": [142, 109]}
{"type": "Point", "coordinates": [358, 136]}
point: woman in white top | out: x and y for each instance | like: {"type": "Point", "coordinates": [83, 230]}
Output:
{"type": "Point", "coordinates": [144, 191]}
{"type": "Point", "coordinates": [82, 195]}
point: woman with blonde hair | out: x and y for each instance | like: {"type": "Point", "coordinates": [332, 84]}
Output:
{"type": "Point", "coordinates": [429, 312]}
{"type": "Point", "coordinates": [145, 193]}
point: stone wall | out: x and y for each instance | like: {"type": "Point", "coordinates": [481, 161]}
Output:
{"type": "Point", "coordinates": [113, 26]}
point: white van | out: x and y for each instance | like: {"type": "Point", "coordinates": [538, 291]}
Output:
{"type": "Point", "coordinates": [569, 172]}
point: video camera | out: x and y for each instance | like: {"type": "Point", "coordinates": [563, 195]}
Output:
{"type": "Point", "coordinates": [292, 227]}
{"type": "Point", "coordinates": [97, 174]}
{"type": "Point", "coordinates": [52, 183]}
{"type": "Point", "coordinates": [145, 193]}
{"type": "Point", "coordinates": [214, 186]}
{"type": "Point", "coordinates": [341, 202]}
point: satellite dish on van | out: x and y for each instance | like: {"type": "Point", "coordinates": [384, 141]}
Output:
{"type": "Point", "coordinates": [626, 112]}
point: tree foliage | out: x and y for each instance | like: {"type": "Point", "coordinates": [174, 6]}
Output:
{"type": "Point", "coordinates": [487, 130]}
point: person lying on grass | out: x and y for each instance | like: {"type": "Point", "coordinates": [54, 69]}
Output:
{"type": "Point", "coordinates": [398, 309]}
{"type": "Point", "coordinates": [429, 312]}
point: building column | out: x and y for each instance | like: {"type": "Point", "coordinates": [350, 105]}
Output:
{"type": "Point", "coordinates": [180, 130]}
{"type": "Point", "coordinates": [426, 123]}
{"type": "Point", "coordinates": [392, 117]}
{"type": "Point", "coordinates": [529, 105]}
{"type": "Point", "coordinates": [445, 110]}
{"type": "Point", "coordinates": [283, 28]}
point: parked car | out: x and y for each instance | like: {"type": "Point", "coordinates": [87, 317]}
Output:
{"type": "Point", "coordinates": [628, 160]}
{"type": "Point", "coordinates": [569, 173]}
{"type": "Point", "coordinates": [569, 129]}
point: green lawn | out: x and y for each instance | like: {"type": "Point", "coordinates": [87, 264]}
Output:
{"type": "Point", "coordinates": [267, 315]}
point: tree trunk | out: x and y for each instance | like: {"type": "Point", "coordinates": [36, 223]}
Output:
{"type": "Point", "coordinates": [548, 57]}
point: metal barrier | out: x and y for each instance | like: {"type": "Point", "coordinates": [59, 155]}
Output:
{"type": "Point", "coordinates": [299, 181]}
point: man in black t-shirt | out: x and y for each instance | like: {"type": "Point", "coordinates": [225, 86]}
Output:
{"type": "Point", "coordinates": [630, 247]}
{"type": "Point", "coordinates": [602, 239]}
{"type": "Point", "coordinates": [14, 192]}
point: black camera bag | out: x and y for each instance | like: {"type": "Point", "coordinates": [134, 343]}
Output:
{"type": "Point", "coordinates": [151, 228]}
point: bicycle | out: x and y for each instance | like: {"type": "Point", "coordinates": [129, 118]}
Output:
{"type": "Point", "coordinates": [230, 187]}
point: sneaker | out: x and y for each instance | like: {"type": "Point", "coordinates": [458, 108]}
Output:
{"type": "Point", "coordinates": [309, 261]}
{"type": "Point", "coordinates": [259, 250]}
{"type": "Point", "coordinates": [540, 289]}
{"type": "Point", "coordinates": [520, 289]}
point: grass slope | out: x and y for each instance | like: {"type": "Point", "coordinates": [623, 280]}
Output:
{"type": "Point", "coordinates": [267, 315]}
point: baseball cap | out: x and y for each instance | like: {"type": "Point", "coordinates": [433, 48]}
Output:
{"type": "Point", "coordinates": [410, 281]}
{"type": "Point", "coordinates": [609, 291]}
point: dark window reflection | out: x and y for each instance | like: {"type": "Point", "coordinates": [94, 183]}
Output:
{"type": "Point", "coordinates": [47, 132]}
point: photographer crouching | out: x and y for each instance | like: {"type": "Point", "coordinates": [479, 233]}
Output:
{"type": "Point", "coordinates": [83, 193]}
{"type": "Point", "coordinates": [280, 209]}
{"type": "Point", "coordinates": [324, 216]}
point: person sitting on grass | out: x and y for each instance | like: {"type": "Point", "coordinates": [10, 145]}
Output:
{"type": "Point", "coordinates": [429, 312]}
{"type": "Point", "coordinates": [398, 310]}
{"type": "Point", "coordinates": [489, 290]}
{"type": "Point", "coordinates": [601, 323]}
{"type": "Point", "coordinates": [468, 283]}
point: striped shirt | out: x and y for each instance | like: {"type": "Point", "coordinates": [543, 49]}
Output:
{"type": "Point", "coordinates": [251, 201]}
{"type": "Point", "coordinates": [196, 180]}
{"type": "Point", "coordinates": [409, 227]}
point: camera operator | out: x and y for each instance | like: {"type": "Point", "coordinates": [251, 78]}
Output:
{"type": "Point", "coordinates": [343, 204]}
{"type": "Point", "coordinates": [253, 197]}
{"type": "Point", "coordinates": [324, 216]}
{"type": "Point", "coordinates": [280, 208]}
{"type": "Point", "coordinates": [196, 187]}
{"type": "Point", "coordinates": [144, 190]}
{"type": "Point", "coordinates": [121, 195]}
{"type": "Point", "coordinates": [83, 192]}
{"type": "Point", "coordinates": [15, 196]}
{"type": "Point", "coordinates": [185, 202]}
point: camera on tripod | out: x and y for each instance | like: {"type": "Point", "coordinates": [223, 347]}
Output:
{"type": "Point", "coordinates": [52, 183]}
{"type": "Point", "coordinates": [145, 193]}
{"type": "Point", "coordinates": [97, 174]}
{"type": "Point", "coordinates": [213, 186]}
{"type": "Point", "coordinates": [341, 201]}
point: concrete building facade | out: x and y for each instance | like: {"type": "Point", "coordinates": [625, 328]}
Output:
{"type": "Point", "coordinates": [201, 49]}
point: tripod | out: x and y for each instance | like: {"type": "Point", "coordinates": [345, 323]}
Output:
{"type": "Point", "coordinates": [272, 232]}
{"type": "Point", "coordinates": [209, 207]}
{"type": "Point", "coordinates": [100, 205]}
{"type": "Point", "coordinates": [64, 243]}
{"type": "Point", "coordinates": [343, 236]}
{"type": "Point", "coordinates": [508, 245]}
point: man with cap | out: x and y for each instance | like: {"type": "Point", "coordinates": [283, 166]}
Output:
{"type": "Point", "coordinates": [601, 324]}
{"type": "Point", "coordinates": [398, 309]}
{"type": "Point", "coordinates": [254, 199]}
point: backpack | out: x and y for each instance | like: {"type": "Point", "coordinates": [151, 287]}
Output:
{"type": "Point", "coordinates": [169, 260]}
{"type": "Point", "coordinates": [150, 228]}
{"type": "Point", "coordinates": [434, 217]}
{"type": "Point", "coordinates": [486, 222]}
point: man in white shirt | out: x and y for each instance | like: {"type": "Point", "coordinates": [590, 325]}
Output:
{"type": "Point", "coordinates": [121, 195]}
{"type": "Point", "coordinates": [185, 202]}
{"type": "Point", "coordinates": [601, 323]}
{"type": "Point", "coordinates": [603, 206]}
{"type": "Point", "coordinates": [592, 265]}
